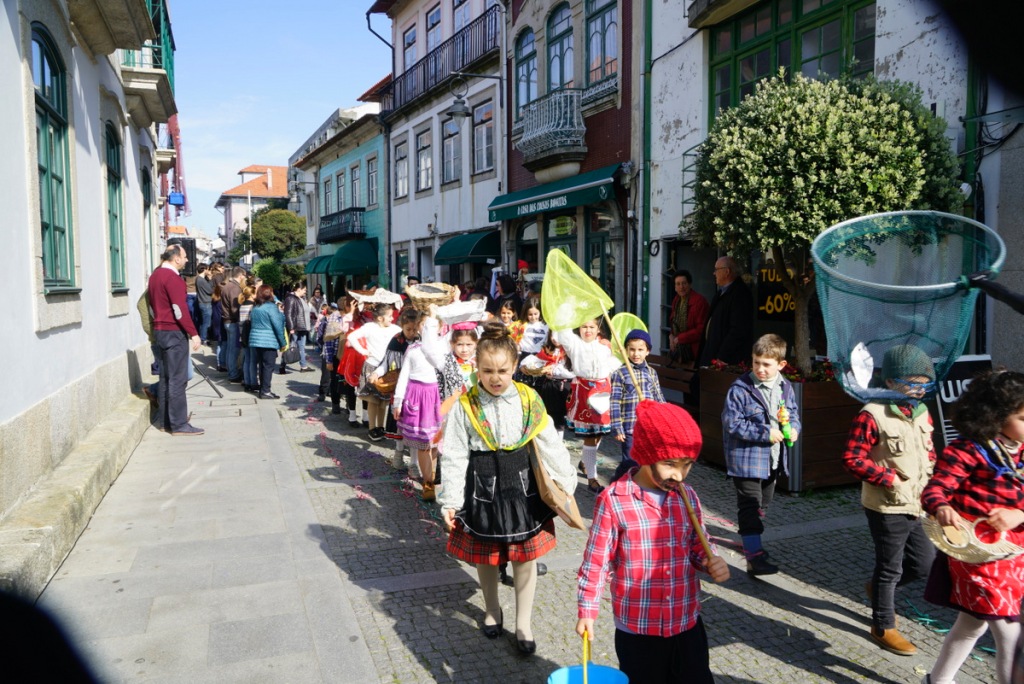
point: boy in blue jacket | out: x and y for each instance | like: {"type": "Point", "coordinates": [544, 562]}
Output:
{"type": "Point", "coordinates": [756, 448]}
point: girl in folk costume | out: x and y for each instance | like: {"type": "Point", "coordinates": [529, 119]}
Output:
{"type": "Point", "coordinates": [492, 517]}
{"type": "Point", "coordinates": [555, 381]}
{"type": "Point", "coordinates": [510, 317]}
{"type": "Point", "coordinates": [417, 406]}
{"type": "Point", "coordinates": [981, 476]}
{"type": "Point", "coordinates": [409, 320]}
{"type": "Point", "coordinates": [589, 409]}
{"type": "Point", "coordinates": [371, 340]}
{"type": "Point", "coordinates": [532, 334]}
{"type": "Point", "coordinates": [350, 367]}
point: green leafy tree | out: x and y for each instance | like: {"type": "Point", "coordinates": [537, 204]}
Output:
{"type": "Point", "coordinates": [799, 156]}
{"type": "Point", "coordinates": [277, 234]}
{"type": "Point", "coordinates": [270, 272]}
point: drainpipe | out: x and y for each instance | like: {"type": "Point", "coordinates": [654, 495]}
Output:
{"type": "Point", "coordinates": [645, 240]}
{"type": "Point", "coordinates": [386, 168]}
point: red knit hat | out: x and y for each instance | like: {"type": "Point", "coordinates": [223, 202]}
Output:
{"type": "Point", "coordinates": [664, 431]}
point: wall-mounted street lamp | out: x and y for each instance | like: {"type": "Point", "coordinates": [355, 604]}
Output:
{"type": "Point", "coordinates": [459, 110]}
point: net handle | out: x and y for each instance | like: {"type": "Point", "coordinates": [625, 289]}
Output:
{"type": "Point", "coordinates": [982, 281]}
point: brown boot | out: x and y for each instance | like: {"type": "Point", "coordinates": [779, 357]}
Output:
{"type": "Point", "coordinates": [893, 642]}
{"type": "Point", "coordinates": [428, 491]}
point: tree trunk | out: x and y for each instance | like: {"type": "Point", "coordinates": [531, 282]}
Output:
{"type": "Point", "coordinates": [801, 293]}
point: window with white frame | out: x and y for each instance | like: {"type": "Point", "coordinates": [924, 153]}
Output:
{"type": "Point", "coordinates": [49, 78]}
{"type": "Point", "coordinates": [460, 14]}
{"type": "Point", "coordinates": [451, 151]}
{"type": "Point", "coordinates": [560, 48]}
{"type": "Point", "coordinates": [327, 195]}
{"type": "Point", "coordinates": [355, 183]}
{"type": "Point", "coordinates": [371, 182]}
{"type": "Point", "coordinates": [409, 48]}
{"type": "Point", "coordinates": [424, 160]}
{"type": "Point", "coordinates": [602, 39]}
{"type": "Point", "coordinates": [483, 137]}
{"type": "Point", "coordinates": [433, 27]}
{"type": "Point", "coordinates": [340, 185]}
{"type": "Point", "coordinates": [526, 70]}
{"type": "Point", "coordinates": [401, 169]}
{"type": "Point", "coordinates": [115, 220]}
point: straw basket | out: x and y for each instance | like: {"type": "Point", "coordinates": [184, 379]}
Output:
{"type": "Point", "coordinates": [964, 545]}
{"type": "Point", "coordinates": [425, 294]}
{"type": "Point", "coordinates": [532, 366]}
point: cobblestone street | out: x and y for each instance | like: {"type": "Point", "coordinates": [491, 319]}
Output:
{"type": "Point", "coordinates": [419, 609]}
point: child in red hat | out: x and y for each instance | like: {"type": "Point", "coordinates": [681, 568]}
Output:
{"type": "Point", "coordinates": [642, 535]}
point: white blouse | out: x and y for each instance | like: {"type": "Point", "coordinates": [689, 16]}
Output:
{"type": "Point", "coordinates": [590, 360]}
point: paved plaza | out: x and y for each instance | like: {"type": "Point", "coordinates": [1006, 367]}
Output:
{"type": "Point", "coordinates": [283, 546]}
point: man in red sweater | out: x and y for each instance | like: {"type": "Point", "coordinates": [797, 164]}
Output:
{"type": "Point", "coordinates": [172, 328]}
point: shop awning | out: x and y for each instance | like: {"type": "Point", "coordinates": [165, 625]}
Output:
{"type": "Point", "coordinates": [472, 248]}
{"type": "Point", "coordinates": [586, 188]}
{"type": "Point", "coordinates": [354, 257]}
{"type": "Point", "coordinates": [319, 264]}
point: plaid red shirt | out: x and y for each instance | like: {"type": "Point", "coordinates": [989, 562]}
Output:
{"type": "Point", "coordinates": [964, 480]}
{"type": "Point", "coordinates": [857, 457]}
{"type": "Point", "coordinates": [651, 552]}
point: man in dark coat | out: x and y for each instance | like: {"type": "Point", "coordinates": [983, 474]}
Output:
{"type": "Point", "coordinates": [730, 332]}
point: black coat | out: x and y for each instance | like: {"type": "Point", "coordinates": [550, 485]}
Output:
{"type": "Point", "coordinates": [730, 331]}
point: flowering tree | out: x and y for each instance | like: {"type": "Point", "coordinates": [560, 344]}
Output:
{"type": "Point", "coordinates": [800, 155]}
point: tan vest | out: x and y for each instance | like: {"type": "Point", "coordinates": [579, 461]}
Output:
{"type": "Point", "coordinates": [903, 445]}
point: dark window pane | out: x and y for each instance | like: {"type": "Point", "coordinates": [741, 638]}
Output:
{"type": "Point", "coordinates": [864, 22]}
{"type": "Point", "coordinates": [785, 11]}
{"type": "Point", "coordinates": [723, 41]}
{"type": "Point", "coordinates": [830, 64]}
{"type": "Point", "coordinates": [785, 54]}
{"type": "Point", "coordinates": [830, 36]}
{"type": "Point", "coordinates": [864, 53]}
{"type": "Point", "coordinates": [809, 44]}
{"type": "Point", "coordinates": [811, 5]}
{"type": "Point", "coordinates": [764, 20]}
{"type": "Point", "coordinates": [746, 28]}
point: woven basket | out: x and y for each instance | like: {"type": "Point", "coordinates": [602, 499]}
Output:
{"type": "Point", "coordinates": [425, 294]}
{"type": "Point", "coordinates": [965, 545]}
{"type": "Point", "coordinates": [532, 366]}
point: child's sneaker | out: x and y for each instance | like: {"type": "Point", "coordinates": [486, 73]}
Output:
{"type": "Point", "coordinates": [758, 564]}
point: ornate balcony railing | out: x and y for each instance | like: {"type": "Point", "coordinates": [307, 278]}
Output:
{"type": "Point", "coordinates": [158, 54]}
{"type": "Point", "coordinates": [341, 225]}
{"type": "Point", "coordinates": [478, 39]}
{"type": "Point", "coordinates": [553, 122]}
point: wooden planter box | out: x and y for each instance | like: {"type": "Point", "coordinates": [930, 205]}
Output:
{"type": "Point", "coordinates": [826, 413]}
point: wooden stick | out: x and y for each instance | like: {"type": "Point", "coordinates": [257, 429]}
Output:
{"type": "Point", "coordinates": [696, 525]}
{"type": "Point", "coordinates": [622, 348]}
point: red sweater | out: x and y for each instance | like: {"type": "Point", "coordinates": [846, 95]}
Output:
{"type": "Point", "coordinates": [168, 301]}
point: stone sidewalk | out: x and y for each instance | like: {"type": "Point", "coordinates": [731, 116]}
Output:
{"type": "Point", "coordinates": [282, 546]}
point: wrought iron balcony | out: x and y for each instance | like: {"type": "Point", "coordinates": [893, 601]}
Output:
{"type": "Point", "coordinates": [341, 225]}
{"type": "Point", "coordinates": [553, 127]}
{"type": "Point", "coordinates": [148, 74]}
{"type": "Point", "coordinates": [479, 39]}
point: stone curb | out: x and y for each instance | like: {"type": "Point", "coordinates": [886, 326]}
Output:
{"type": "Point", "coordinates": [41, 531]}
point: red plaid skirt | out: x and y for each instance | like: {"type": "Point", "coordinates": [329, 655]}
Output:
{"type": "Point", "coordinates": [468, 548]}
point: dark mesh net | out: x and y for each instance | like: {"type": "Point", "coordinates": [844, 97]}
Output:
{"type": "Point", "coordinates": [895, 279]}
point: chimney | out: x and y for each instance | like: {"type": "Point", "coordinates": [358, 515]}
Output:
{"type": "Point", "coordinates": [270, 178]}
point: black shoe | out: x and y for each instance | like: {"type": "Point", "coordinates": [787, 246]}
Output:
{"type": "Point", "coordinates": [237, 381]}
{"type": "Point", "coordinates": [336, 409]}
{"type": "Point", "coordinates": [526, 647]}
{"type": "Point", "coordinates": [282, 371]}
{"type": "Point", "coordinates": [493, 631]}
{"type": "Point", "coordinates": [376, 434]}
{"type": "Point", "coordinates": [355, 423]}
{"type": "Point", "coordinates": [320, 397]}
{"type": "Point", "coordinates": [307, 369]}
{"type": "Point", "coordinates": [506, 578]}
{"type": "Point", "coordinates": [758, 564]}
{"type": "Point", "coordinates": [268, 395]}
{"type": "Point", "coordinates": [541, 569]}
{"type": "Point", "coordinates": [222, 369]}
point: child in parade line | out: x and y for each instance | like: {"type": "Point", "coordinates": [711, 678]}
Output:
{"type": "Point", "coordinates": [753, 443]}
{"type": "Point", "coordinates": [625, 396]}
{"type": "Point", "coordinates": [588, 410]}
{"type": "Point", "coordinates": [371, 340]}
{"type": "Point", "coordinates": [350, 367]}
{"type": "Point", "coordinates": [890, 450]}
{"type": "Point", "coordinates": [508, 316]}
{"type": "Point", "coordinates": [981, 475]}
{"type": "Point", "coordinates": [491, 517]}
{"type": "Point", "coordinates": [535, 330]}
{"type": "Point", "coordinates": [643, 537]}
{"type": "Point", "coordinates": [334, 328]}
{"type": "Point", "coordinates": [417, 406]}
{"type": "Point", "coordinates": [409, 320]}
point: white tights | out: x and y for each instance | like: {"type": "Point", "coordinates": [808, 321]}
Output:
{"type": "Point", "coordinates": [961, 639]}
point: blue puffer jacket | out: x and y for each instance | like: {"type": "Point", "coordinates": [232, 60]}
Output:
{"type": "Point", "coordinates": [746, 428]}
{"type": "Point", "coordinates": [267, 327]}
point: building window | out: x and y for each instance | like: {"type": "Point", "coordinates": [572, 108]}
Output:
{"type": "Point", "coordinates": [433, 28]}
{"type": "Point", "coordinates": [371, 182]}
{"type": "Point", "coordinates": [409, 48]}
{"type": "Point", "coordinates": [327, 196]}
{"type": "Point", "coordinates": [460, 14]}
{"type": "Point", "coordinates": [357, 191]}
{"type": "Point", "coordinates": [602, 39]}
{"type": "Point", "coordinates": [424, 161]}
{"type": "Point", "coordinates": [451, 151]}
{"type": "Point", "coordinates": [401, 169]}
{"type": "Point", "coordinates": [340, 185]}
{"type": "Point", "coordinates": [48, 76]}
{"type": "Point", "coordinates": [115, 225]}
{"type": "Point", "coordinates": [560, 49]}
{"type": "Point", "coordinates": [818, 38]}
{"type": "Point", "coordinates": [483, 137]}
{"type": "Point", "coordinates": [526, 70]}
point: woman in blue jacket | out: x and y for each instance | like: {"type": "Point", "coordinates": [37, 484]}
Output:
{"type": "Point", "coordinates": [266, 337]}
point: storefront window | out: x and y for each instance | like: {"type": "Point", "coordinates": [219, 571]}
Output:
{"type": "Point", "coordinates": [527, 246]}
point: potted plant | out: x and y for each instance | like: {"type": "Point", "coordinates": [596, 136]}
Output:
{"type": "Point", "coordinates": [792, 159]}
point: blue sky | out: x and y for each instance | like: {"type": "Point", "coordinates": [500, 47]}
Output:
{"type": "Point", "coordinates": [254, 79]}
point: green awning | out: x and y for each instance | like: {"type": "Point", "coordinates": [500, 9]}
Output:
{"type": "Point", "coordinates": [586, 188]}
{"type": "Point", "coordinates": [472, 248]}
{"type": "Point", "coordinates": [319, 264]}
{"type": "Point", "coordinates": [354, 257]}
